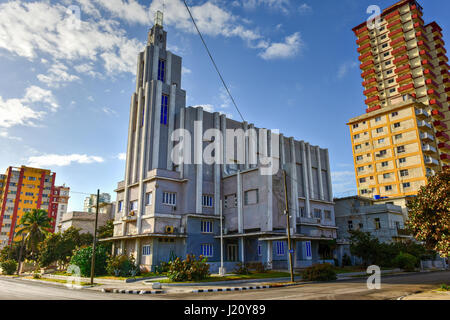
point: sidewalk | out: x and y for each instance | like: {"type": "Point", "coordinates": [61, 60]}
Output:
{"type": "Point", "coordinates": [429, 295]}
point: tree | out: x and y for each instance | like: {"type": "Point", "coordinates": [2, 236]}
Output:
{"type": "Point", "coordinates": [365, 246]}
{"type": "Point", "coordinates": [429, 217]}
{"type": "Point", "coordinates": [106, 231]}
{"type": "Point", "coordinates": [35, 225]}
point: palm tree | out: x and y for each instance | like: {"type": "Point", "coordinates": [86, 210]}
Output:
{"type": "Point", "coordinates": [35, 225]}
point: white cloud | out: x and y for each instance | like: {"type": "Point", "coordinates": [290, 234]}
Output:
{"type": "Point", "coordinates": [30, 29]}
{"type": "Point", "coordinates": [305, 9]}
{"type": "Point", "coordinates": [4, 134]}
{"type": "Point", "coordinates": [109, 111]}
{"type": "Point", "coordinates": [50, 160]}
{"type": "Point", "coordinates": [344, 68]}
{"type": "Point", "coordinates": [287, 49]}
{"type": "Point", "coordinates": [282, 5]}
{"type": "Point", "coordinates": [57, 76]}
{"type": "Point", "coordinates": [122, 156]}
{"type": "Point", "coordinates": [88, 69]}
{"type": "Point", "coordinates": [128, 10]}
{"type": "Point", "coordinates": [26, 110]}
{"type": "Point", "coordinates": [185, 70]}
{"type": "Point", "coordinates": [343, 182]}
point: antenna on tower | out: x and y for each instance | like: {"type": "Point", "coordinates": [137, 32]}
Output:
{"type": "Point", "coordinates": [159, 18]}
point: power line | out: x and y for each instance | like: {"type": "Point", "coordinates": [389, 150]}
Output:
{"type": "Point", "coordinates": [214, 63]}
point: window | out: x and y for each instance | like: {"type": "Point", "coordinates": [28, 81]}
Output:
{"type": "Point", "coordinates": [161, 70]}
{"type": "Point", "coordinates": [251, 197]}
{"type": "Point", "coordinates": [389, 72]}
{"type": "Point", "coordinates": [327, 214]}
{"type": "Point", "coordinates": [406, 185]}
{"type": "Point", "coordinates": [148, 198]}
{"type": "Point", "coordinates": [357, 147]}
{"type": "Point", "coordinates": [359, 158]}
{"type": "Point", "coordinates": [356, 136]}
{"type": "Point", "coordinates": [120, 206]}
{"type": "Point", "coordinates": [355, 126]}
{"type": "Point", "coordinates": [362, 180]}
{"type": "Point", "coordinates": [384, 45]}
{"type": "Point", "coordinates": [390, 81]}
{"type": "Point", "coordinates": [164, 103]}
{"type": "Point", "coordinates": [360, 169]}
{"type": "Point", "coordinates": [386, 175]}
{"type": "Point", "coordinates": [386, 54]}
{"type": "Point", "coordinates": [384, 163]}
{"type": "Point", "coordinates": [383, 37]}
{"type": "Point", "coordinates": [381, 140]}
{"type": "Point", "coordinates": [301, 211]}
{"type": "Point", "coordinates": [206, 249]}
{"type": "Point", "coordinates": [230, 201]}
{"type": "Point", "coordinates": [280, 248]}
{"type": "Point", "coordinates": [259, 250]}
{"type": "Point", "coordinates": [392, 90]}
{"type": "Point", "coordinates": [397, 124]}
{"type": "Point", "coordinates": [360, 226]}
{"type": "Point", "coordinates": [169, 198]}
{"type": "Point", "coordinates": [317, 213]}
{"type": "Point", "coordinates": [133, 205]}
{"type": "Point", "coordinates": [364, 191]}
{"type": "Point", "coordinates": [207, 201]}
{"type": "Point", "coordinates": [401, 149]}
{"type": "Point", "coordinates": [402, 160]}
{"type": "Point", "coordinates": [377, 119]}
{"type": "Point", "coordinates": [206, 226]}
{"type": "Point", "coordinates": [404, 173]}
{"type": "Point", "coordinates": [388, 188]}
{"type": "Point", "coordinates": [387, 63]}
{"type": "Point", "coordinates": [394, 114]}
{"type": "Point", "coordinates": [379, 130]}
{"type": "Point", "coordinates": [383, 152]}
{"type": "Point", "coordinates": [377, 223]}
{"type": "Point", "coordinates": [398, 136]}
{"type": "Point", "coordinates": [146, 250]}
{"type": "Point", "coordinates": [32, 178]}
{"type": "Point", "coordinates": [350, 224]}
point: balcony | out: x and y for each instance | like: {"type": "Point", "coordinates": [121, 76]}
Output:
{"type": "Point", "coordinates": [398, 42]}
{"type": "Point", "coordinates": [420, 35]}
{"type": "Point", "coordinates": [365, 57]}
{"type": "Point", "coordinates": [427, 64]}
{"type": "Point", "coordinates": [396, 34]}
{"type": "Point", "coordinates": [425, 136]}
{"type": "Point", "coordinates": [429, 74]}
{"type": "Point", "coordinates": [436, 114]}
{"type": "Point", "coordinates": [427, 148]}
{"type": "Point", "coordinates": [363, 40]}
{"type": "Point", "coordinates": [423, 45]}
{"type": "Point", "coordinates": [444, 147]}
{"type": "Point", "coordinates": [367, 65]}
{"type": "Point", "coordinates": [362, 32]}
{"type": "Point", "coordinates": [445, 158]}
{"type": "Point", "coordinates": [431, 84]}
{"type": "Point", "coordinates": [424, 125]}
{"type": "Point", "coordinates": [446, 83]}
{"type": "Point", "coordinates": [365, 48]}
{"type": "Point", "coordinates": [372, 101]}
{"type": "Point", "coordinates": [415, 10]}
{"type": "Point", "coordinates": [435, 104]}
{"type": "Point", "coordinates": [424, 54]}
{"type": "Point", "coordinates": [433, 94]}
{"type": "Point", "coordinates": [438, 40]}
{"type": "Point", "coordinates": [442, 57]}
{"type": "Point", "coordinates": [368, 110]}
{"type": "Point", "coordinates": [442, 136]}
{"type": "Point", "coordinates": [430, 161]}
{"type": "Point", "coordinates": [371, 92]}
{"type": "Point", "coordinates": [403, 69]}
{"type": "Point", "coordinates": [399, 51]}
{"type": "Point", "coordinates": [440, 125]}
{"type": "Point", "coordinates": [417, 19]}
{"type": "Point", "coordinates": [370, 83]}
{"type": "Point", "coordinates": [368, 73]}
{"type": "Point", "coordinates": [444, 74]}
{"type": "Point", "coordinates": [444, 65]}
{"type": "Point", "coordinates": [407, 78]}
{"type": "Point", "coordinates": [421, 114]}
{"type": "Point", "coordinates": [401, 60]}
{"type": "Point", "coordinates": [407, 88]}
{"type": "Point", "coordinates": [394, 15]}
{"type": "Point", "coordinates": [395, 25]}
{"type": "Point", "coordinates": [305, 220]}
{"type": "Point", "coordinates": [440, 49]}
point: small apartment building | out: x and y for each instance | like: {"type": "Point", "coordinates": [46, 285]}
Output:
{"type": "Point", "coordinates": [166, 208]}
{"type": "Point", "coordinates": [82, 220]}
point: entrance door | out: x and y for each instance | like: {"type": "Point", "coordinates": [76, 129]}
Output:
{"type": "Point", "coordinates": [232, 252]}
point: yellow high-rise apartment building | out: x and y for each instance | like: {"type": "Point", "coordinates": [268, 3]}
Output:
{"type": "Point", "coordinates": [404, 135]}
{"type": "Point", "coordinates": [21, 190]}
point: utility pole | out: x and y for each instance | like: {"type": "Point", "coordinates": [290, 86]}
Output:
{"type": "Point", "coordinates": [95, 238]}
{"type": "Point", "coordinates": [221, 270]}
{"type": "Point", "coordinates": [288, 226]}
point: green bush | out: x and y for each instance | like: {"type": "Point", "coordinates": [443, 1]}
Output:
{"type": "Point", "coordinates": [162, 268]}
{"type": "Point", "coordinates": [346, 261]}
{"type": "Point", "coordinates": [122, 266]}
{"type": "Point", "coordinates": [405, 261]}
{"type": "Point", "coordinates": [191, 269]}
{"type": "Point", "coordinates": [258, 267]}
{"type": "Point", "coordinates": [241, 268]}
{"type": "Point", "coordinates": [82, 258]}
{"type": "Point", "coordinates": [319, 272]}
{"type": "Point", "coordinates": [8, 266]}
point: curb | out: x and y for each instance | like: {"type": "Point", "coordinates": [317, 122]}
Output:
{"type": "Point", "coordinates": [132, 291]}
{"type": "Point", "coordinates": [230, 289]}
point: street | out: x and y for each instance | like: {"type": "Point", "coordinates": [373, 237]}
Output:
{"type": "Point", "coordinates": [392, 287]}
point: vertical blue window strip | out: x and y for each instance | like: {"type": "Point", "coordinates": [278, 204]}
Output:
{"type": "Point", "coordinates": [161, 70]}
{"type": "Point", "coordinates": [164, 103]}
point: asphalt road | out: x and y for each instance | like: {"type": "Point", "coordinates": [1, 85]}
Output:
{"type": "Point", "coordinates": [392, 287]}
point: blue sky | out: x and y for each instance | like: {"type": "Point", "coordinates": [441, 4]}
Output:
{"type": "Point", "coordinates": [65, 92]}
